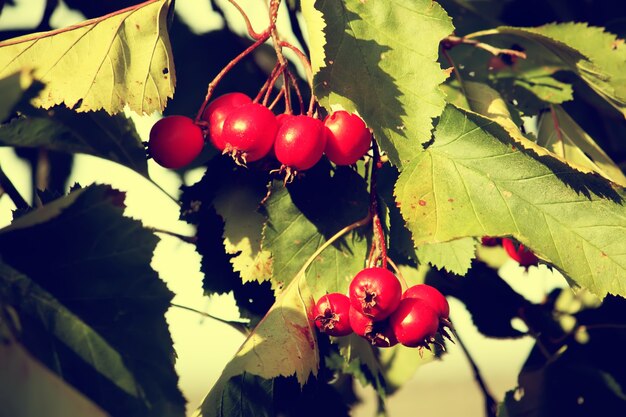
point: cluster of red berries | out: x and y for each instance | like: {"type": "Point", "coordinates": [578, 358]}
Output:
{"type": "Point", "coordinates": [249, 131]}
{"type": "Point", "coordinates": [520, 253]}
{"type": "Point", "coordinates": [378, 311]}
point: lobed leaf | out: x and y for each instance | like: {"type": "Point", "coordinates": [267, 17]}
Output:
{"type": "Point", "coordinates": [123, 58]}
{"type": "Point", "coordinates": [474, 181]}
{"type": "Point", "coordinates": [598, 57]}
{"type": "Point", "coordinates": [96, 263]}
{"type": "Point", "coordinates": [380, 60]}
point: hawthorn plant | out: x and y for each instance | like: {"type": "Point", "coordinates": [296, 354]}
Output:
{"type": "Point", "coordinates": [375, 157]}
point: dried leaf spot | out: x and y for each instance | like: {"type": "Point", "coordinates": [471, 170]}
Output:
{"type": "Point", "coordinates": [166, 71]}
{"type": "Point", "coordinates": [451, 200]}
{"type": "Point", "coordinates": [306, 332]}
{"type": "Point", "coordinates": [422, 203]}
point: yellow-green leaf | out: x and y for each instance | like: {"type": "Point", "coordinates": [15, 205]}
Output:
{"type": "Point", "coordinates": [106, 63]}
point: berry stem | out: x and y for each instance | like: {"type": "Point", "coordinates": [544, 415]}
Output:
{"type": "Point", "coordinates": [398, 273]}
{"type": "Point", "coordinates": [251, 32]}
{"type": "Point", "coordinates": [263, 37]}
{"type": "Point", "coordinates": [307, 68]}
{"type": "Point", "coordinates": [277, 99]}
{"type": "Point", "coordinates": [294, 83]}
{"type": "Point", "coordinates": [274, 6]}
{"type": "Point", "coordinates": [271, 84]}
{"type": "Point", "coordinates": [379, 247]}
{"type": "Point", "coordinates": [265, 86]}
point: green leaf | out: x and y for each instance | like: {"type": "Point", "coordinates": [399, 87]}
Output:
{"type": "Point", "coordinates": [473, 181]}
{"type": "Point", "coordinates": [282, 344]}
{"type": "Point", "coordinates": [23, 378]}
{"type": "Point", "coordinates": [94, 133]}
{"type": "Point", "coordinates": [32, 301]}
{"type": "Point", "coordinates": [598, 57]}
{"type": "Point", "coordinates": [243, 229]}
{"type": "Point", "coordinates": [380, 59]}
{"type": "Point", "coordinates": [454, 256]}
{"type": "Point", "coordinates": [106, 63]}
{"type": "Point", "coordinates": [303, 215]}
{"type": "Point", "coordinates": [357, 357]}
{"type": "Point", "coordinates": [558, 132]}
{"type": "Point", "coordinates": [96, 263]}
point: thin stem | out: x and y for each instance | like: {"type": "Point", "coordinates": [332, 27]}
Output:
{"type": "Point", "coordinates": [251, 32]}
{"type": "Point", "coordinates": [379, 246]}
{"type": "Point", "coordinates": [263, 89]}
{"type": "Point", "coordinates": [491, 405]}
{"type": "Point", "coordinates": [272, 83]}
{"type": "Point", "coordinates": [308, 70]}
{"type": "Point", "coordinates": [281, 93]}
{"type": "Point", "coordinates": [398, 273]}
{"type": "Point", "coordinates": [264, 37]}
{"type": "Point", "coordinates": [294, 83]}
{"type": "Point", "coordinates": [171, 197]}
{"type": "Point", "coordinates": [187, 239]}
{"type": "Point", "coordinates": [11, 191]}
{"type": "Point", "coordinates": [452, 41]}
{"type": "Point", "coordinates": [456, 71]}
{"type": "Point", "coordinates": [365, 220]}
{"type": "Point", "coordinates": [241, 326]}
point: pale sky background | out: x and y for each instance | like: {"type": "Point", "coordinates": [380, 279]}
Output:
{"type": "Point", "coordinates": [443, 388]}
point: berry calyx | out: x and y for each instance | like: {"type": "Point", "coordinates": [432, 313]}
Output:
{"type": "Point", "coordinates": [348, 138]}
{"type": "Point", "coordinates": [175, 141]}
{"type": "Point", "coordinates": [379, 333]}
{"type": "Point", "coordinates": [332, 314]}
{"type": "Point", "coordinates": [249, 132]}
{"type": "Point", "coordinates": [375, 292]}
{"type": "Point", "coordinates": [216, 112]}
{"type": "Point", "coordinates": [300, 142]}
{"type": "Point", "coordinates": [524, 256]}
{"type": "Point", "coordinates": [431, 297]}
{"type": "Point", "coordinates": [414, 323]}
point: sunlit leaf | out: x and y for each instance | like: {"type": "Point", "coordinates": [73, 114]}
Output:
{"type": "Point", "coordinates": [106, 63]}
{"type": "Point", "coordinates": [473, 181]}
{"type": "Point", "coordinates": [562, 135]}
{"type": "Point", "coordinates": [380, 59]}
{"type": "Point", "coordinates": [454, 256]}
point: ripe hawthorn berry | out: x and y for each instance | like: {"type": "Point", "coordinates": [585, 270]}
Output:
{"type": "Point", "coordinates": [524, 256]}
{"type": "Point", "coordinates": [332, 314]}
{"type": "Point", "coordinates": [414, 322]}
{"type": "Point", "coordinates": [175, 141]}
{"type": "Point", "coordinates": [375, 292]}
{"type": "Point", "coordinates": [431, 297]}
{"type": "Point", "coordinates": [249, 132]}
{"type": "Point", "coordinates": [378, 333]}
{"type": "Point", "coordinates": [348, 139]}
{"type": "Point", "coordinates": [216, 112]}
{"type": "Point", "coordinates": [300, 142]}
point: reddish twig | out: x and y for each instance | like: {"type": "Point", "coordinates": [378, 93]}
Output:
{"type": "Point", "coordinates": [251, 32]}
{"type": "Point", "coordinates": [379, 246]}
{"type": "Point", "coordinates": [308, 70]}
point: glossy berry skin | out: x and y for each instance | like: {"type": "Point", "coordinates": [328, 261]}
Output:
{"type": "Point", "coordinates": [249, 131]}
{"type": "Point", "coordinates": [216, 112]}
{"type": "Point", "coordinates": [175, 141]}
{"type": "Point", "coordinates": [379, 333]}
{"type": "Point", "coordinates": [414, 323]}
{"type": "Point", "coordinates": [300, 142]}
{"type": "Point", "coordinates": [332, 314]}
{"type": "Point", "coordinates": [431, 296]}
{"type": "Point", "coordinates": [375, 292]}
{"type": "Point", "coordinates": [348, 138]}
{"type": "Point", "coordinates": [521, 254]}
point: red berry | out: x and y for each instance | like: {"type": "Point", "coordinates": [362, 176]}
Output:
{"type": "Point", "coordinates": [379, 333]}
{"type": "Point", "coordinates": [216, 112]}
{"type": "Point", "coordinates": [521, 254]}
{"type": "Point", "coordinates": [375, 292]}
{"type": "Point", "coordinates": [414, 323]}
{"type": "Point", "coordinates": [490, 241]}
{"type": "Point", "coordinates": [249, 132]}
{"type": "Point", "coordinates": [431, 296]}
{"type": "Point", "coordinates": [175, 141]}
{"type": "Point", "coordinates": [348, 138]}
{"type": "Point", "coordinates": [300, 142]}
{"type": "Point", "coordinates": [331, 314]}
